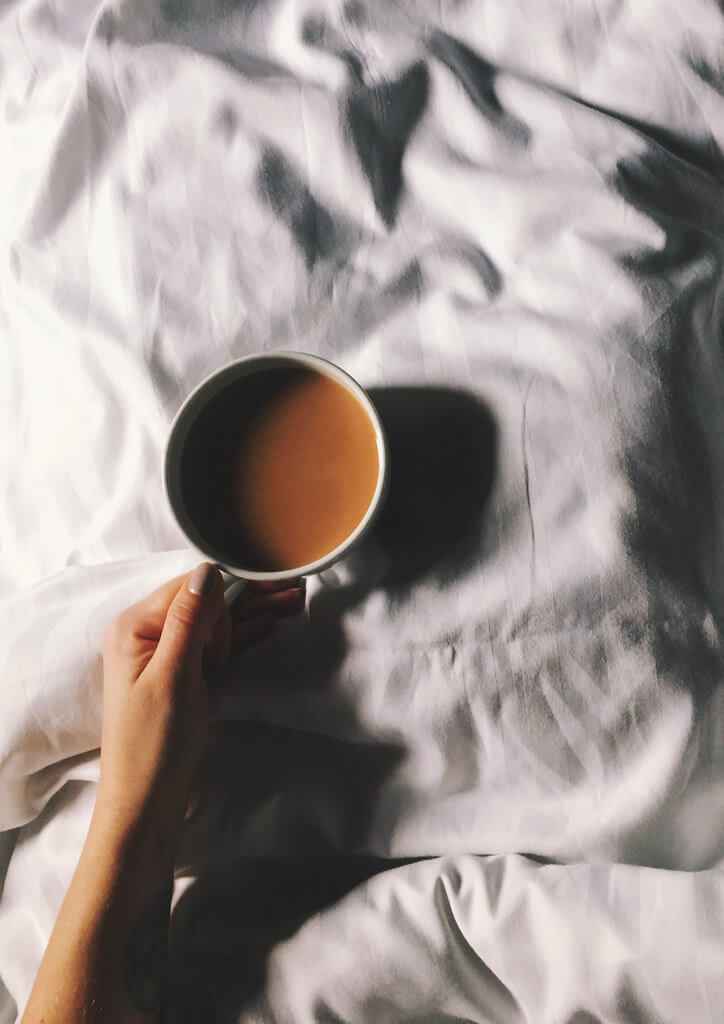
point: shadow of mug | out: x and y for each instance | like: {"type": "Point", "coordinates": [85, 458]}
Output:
{"type": "Point", "coordinates": [442, 450]}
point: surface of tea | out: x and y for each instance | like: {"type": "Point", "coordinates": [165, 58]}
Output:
{"type": "Point", "coordinates": [280, 468]}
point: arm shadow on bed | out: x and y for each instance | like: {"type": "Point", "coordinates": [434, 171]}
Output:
{"type": "Point", "coordinates": [314, 796]}
{"type": "Point", "coordinates": [225, 927]}
{"type": "Point", "coordinates": [265, 852]}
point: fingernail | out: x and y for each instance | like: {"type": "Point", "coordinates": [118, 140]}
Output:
{"type": "Point", "coordinates": [203, 579]}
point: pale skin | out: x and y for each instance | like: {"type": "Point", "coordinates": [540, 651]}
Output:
{"type": "Point", "coordinates": [106, 957]}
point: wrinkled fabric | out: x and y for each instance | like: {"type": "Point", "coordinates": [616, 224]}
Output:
{"type": "Point", "coordinates": [481, 779]}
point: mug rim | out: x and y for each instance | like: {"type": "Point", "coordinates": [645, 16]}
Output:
{"type": "Point", "coordinates": [199, 398]}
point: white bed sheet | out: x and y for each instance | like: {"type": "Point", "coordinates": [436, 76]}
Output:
{"type": "Point", "coordinates": [506, 220]}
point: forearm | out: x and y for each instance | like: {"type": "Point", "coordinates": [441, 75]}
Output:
{"type": "Point", "coordinates": [106, 957]}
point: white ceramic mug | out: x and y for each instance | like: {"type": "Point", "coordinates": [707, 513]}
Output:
{"type": "Point", "coordinates": [201, 398]}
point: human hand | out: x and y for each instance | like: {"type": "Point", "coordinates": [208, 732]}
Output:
{"type": "Point", "coordinates": [157, 656]}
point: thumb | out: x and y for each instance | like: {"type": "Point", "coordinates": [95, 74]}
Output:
{"type": "Point", "coordinates": [190, 620]}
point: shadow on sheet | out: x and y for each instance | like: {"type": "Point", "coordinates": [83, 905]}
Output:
{"type": "Point", "coordinates": [317, 791]}
{"type": "Point", "coordinates": [675, 466]}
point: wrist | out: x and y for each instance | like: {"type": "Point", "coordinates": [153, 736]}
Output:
{"type": "Point", "coordinates": [134, 836]}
